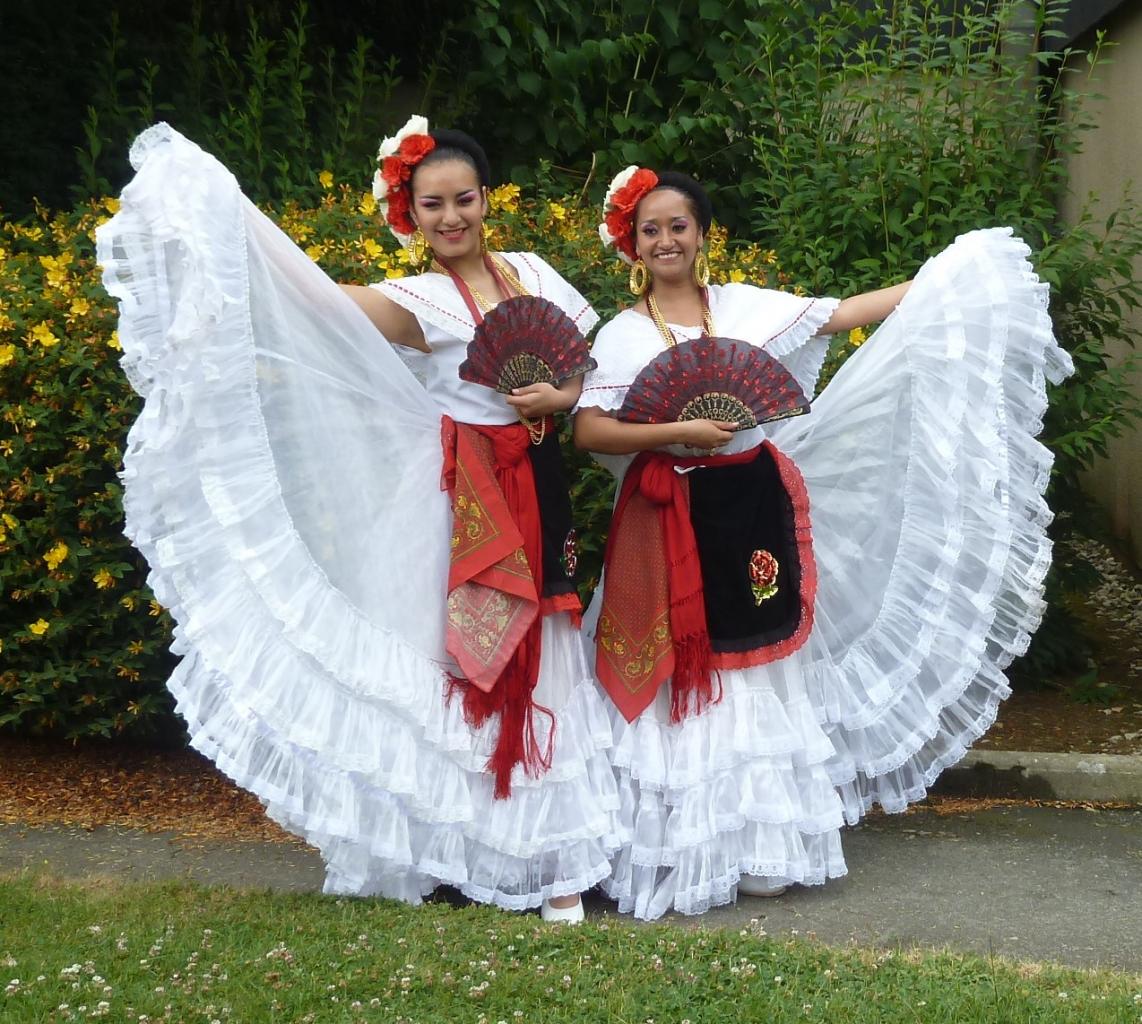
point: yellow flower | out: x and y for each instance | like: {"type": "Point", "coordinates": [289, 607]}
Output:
{"type": "Point", "coordinates": [368, 204]}
{"type": "Point", "coordinates": [56, 556]}
{"type": "Point", "coordinates": [80, 307]}
{"type": "Point", "coordinates": [103, 579]}
{"type": "Point", "coordinates": [155, 609]}
{"type": "Point", "coordinates": [392, 272]}
{"type": "Point", "coordinates": [737, 276]}
{"type": "Point", "coordinates": [557, 211]}
{"type": "Point", "coordinates": [39, 627]}
{"type": "Point", "coordinates": [857, 337]}
{"type": "Point", "coordinates": [11, 520]}
{"type": "Point", "coordinates": [56, 269]}
{"type": "Point", "coordinates": [3, 535]}
{"type": "Point", "coordinates": [111, 205]}
{"type": "Point", "coordinates": [372, 249]}
{"type": "Point", "coordinates": [128, 603]}
{"type": "Point", "coordinates": [113, 342]}
{"type": "Point", "coordinates": [315, 252]}
{"type": "Point", "coordinates": [326, 179]}
{"type": "Point", "coordinates": [506, 197]}
{"type": "Point", "coordinates": [135, 647]}
{"type": "Point", "coordinates": [55, 264]}
{"type": "Point", "coordinates": [7, 354]}
{"type": "Point", "coordinates": [42, 334]}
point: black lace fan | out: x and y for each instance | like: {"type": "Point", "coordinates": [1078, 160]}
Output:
{"type": "Point", "coordinates": [525, 340]}
{"type": "Point", "coordinates": [713, 379]}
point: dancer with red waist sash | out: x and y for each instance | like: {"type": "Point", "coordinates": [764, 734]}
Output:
{"type": "Point", "coordinates": [372, 574]}
{"type": "Point", "coordinates": [807, 604]}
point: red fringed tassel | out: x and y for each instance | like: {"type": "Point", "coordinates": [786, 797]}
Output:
{"type": "Point", "coordinates": [695, 684]}
{"type": "Point", "coordinates": [511, 699]}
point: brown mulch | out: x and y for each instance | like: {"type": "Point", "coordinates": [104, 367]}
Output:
{"type": "Point", "coordinates": [46, 782]}
{"type": "Point", "coordinates": [1049, 720]}
{"type": "Point", "coordinates": [1097, 710]}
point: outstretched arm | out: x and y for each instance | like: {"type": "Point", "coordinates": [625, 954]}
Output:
{"type": "Point", "coordinates": [597, 431]}
{"type": "Point", "coordinates": [395, 322]}
{"type": "Point", "coordinates": [866, 308]}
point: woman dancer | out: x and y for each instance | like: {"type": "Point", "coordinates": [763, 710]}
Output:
{"type": "Point", "coordinates": [371, 578]}
{"type": "Point", "coordinates": [799, 620]}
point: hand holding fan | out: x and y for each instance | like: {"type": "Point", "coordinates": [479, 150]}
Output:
{"type": "Point", "coordinates": [714, 379]}
{"type": "Point", "coordinates": [522, 341]}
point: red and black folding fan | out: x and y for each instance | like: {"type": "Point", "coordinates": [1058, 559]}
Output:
{"type": "Point", "coordinates": [715, 379]}
{"type": "Point", "coordinates": [522, 341]}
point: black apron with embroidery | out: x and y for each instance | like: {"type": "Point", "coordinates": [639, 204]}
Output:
{"type": "Point", "coordinates": [559, 551]}
{"type": "Point", "coordinates": [738, 510]}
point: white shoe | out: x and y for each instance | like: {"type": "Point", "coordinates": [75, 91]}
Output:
{"type": "Point", "coordinates": [566, 915]}
{"type": "Point", "coordinates": [756, 885]}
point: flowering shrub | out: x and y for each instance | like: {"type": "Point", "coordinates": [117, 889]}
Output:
{"type": "Point", "coordinates": [83, 644]}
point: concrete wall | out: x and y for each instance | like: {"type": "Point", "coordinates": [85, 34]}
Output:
{"type": "Point", "coordinates": [1111, 157]}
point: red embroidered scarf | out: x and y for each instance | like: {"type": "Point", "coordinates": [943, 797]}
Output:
{"type": "Point", "coordinates": [652, 624]}
{"type": "Point", "coordinates": [494, 588]}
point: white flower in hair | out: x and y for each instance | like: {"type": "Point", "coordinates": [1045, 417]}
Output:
{"type": "Point", "coordinates": [620, 180]}
{"type": "Point", "coordinates": [415, 125]}
{"type": "Point", "coordinates": [387, 191]}
{"type": "Point", "coordinates": [626, 190]}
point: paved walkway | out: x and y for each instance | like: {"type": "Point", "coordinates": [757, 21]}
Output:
{"type": "Point", "coordinates": [1021, 882]}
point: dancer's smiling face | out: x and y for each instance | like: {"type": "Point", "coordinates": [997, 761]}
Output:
{"type": "Point", "coordinates": [667, 234]}
{"type": "Point", "coordinates": [449, 205]}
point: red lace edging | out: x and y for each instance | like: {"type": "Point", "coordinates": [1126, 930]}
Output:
{"type": "Point", "coordinates": [563, 603]}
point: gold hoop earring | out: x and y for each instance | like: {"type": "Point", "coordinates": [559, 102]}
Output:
{"type": "Point", "coordinates": [416, 247]}
{"type": "Point", "coordinates": [701, 269]}
{"type": "Point", "coordinates": [639, 278]}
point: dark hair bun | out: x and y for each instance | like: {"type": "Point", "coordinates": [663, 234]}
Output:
{"type": "Point", "coordinates": [699, 200]}
{"type": "Point", "coordinates": [456, 145]}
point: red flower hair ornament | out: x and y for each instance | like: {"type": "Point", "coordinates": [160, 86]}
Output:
{"type": "Point", "coordinates": [396, 160]}
{"type": "Point", "coordinates": [627, 190]}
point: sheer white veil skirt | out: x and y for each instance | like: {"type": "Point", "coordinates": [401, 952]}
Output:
{"type": "Point", "coordinates": [283, 482]}
{"type": "Point", "coordinates": [925, 483]}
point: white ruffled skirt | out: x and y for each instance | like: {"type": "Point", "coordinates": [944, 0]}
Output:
{"type": "Point", "coordinates": [283, 482]}
{"type": "Point", "coordinates": [929, 527]}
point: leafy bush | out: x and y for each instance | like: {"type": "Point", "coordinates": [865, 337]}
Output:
{"type": "Point", "coordinates": [277, 89]}
{"type": "Point", "coordinates": [83, 645]}
{"type": "Point", "coordinates": [637, 82]}
{"type": "Point", "coordinates": [870, 156]}
{"type": "Point", "coordinates": [82, 642]}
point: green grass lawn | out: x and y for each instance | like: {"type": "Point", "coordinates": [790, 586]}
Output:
{"type": "Point", "coordinates": [178, 952]}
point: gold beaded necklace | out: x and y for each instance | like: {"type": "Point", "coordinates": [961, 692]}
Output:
{"type": "Point", "coordinates": [502, 266]}
{"type": "Point", "coordinates": [660, 320]}
{"type": "Point", "coordinates": [535, 433]}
